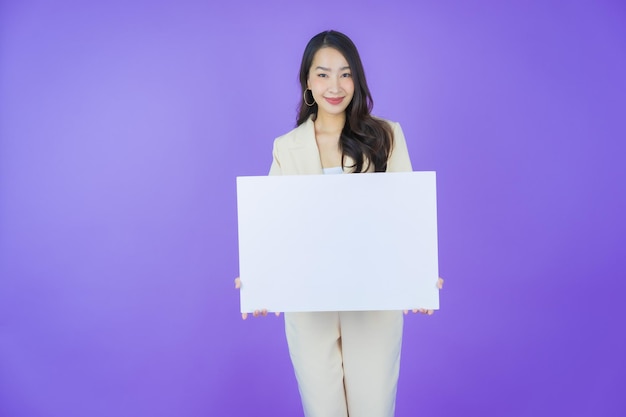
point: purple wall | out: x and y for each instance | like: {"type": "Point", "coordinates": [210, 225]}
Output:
{"type": "Point", "coordinates": [123, 126]}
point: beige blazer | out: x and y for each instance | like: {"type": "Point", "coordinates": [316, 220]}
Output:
{"type": "Point", "coordinates": [296, 152]}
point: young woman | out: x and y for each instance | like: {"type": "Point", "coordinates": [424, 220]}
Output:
{"type": "Point", "coordinates": [347, 362]}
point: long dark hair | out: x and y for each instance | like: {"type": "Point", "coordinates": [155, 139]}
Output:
{"type": "Point", "coordinates": [365, 139]}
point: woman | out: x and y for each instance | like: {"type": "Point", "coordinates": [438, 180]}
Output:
{"type": "Point", "coordinates": [347, 362]}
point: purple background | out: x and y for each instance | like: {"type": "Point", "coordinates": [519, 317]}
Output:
{"type": "Point", "coordinates": [124, 124]}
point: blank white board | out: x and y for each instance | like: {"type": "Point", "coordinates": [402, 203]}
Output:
{"type": "Point", "coordinates": [338, 242]}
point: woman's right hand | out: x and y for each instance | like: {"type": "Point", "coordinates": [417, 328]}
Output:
{"type": "Point", "coordinates": [256, 313]}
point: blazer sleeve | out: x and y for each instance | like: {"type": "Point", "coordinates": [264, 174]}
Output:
{"type": "Point", "coordinates": [275, 167]}
{"type": "Point", "coordinates": [399, 161]}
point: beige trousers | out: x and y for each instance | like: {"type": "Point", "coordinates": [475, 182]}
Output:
{"type": "Point", "coordinates": [346, 363]}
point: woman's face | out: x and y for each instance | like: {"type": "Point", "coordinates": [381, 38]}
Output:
{"type": "Point", "coordinates": [331, 82]}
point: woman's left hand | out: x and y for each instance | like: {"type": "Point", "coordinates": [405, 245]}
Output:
{"type": "Point", "coordinates": [256, 313]}
{"type": "Point", "coordinates": [423, 310]}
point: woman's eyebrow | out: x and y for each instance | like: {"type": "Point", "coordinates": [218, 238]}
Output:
{"type": "Point", "coordinates": [328, 69]}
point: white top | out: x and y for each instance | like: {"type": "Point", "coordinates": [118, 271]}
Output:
{"type": "Point", "coordinates": [333, 170]}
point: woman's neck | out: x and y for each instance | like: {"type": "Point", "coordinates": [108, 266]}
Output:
{"type": "Point", "coordinates": [330, 123]}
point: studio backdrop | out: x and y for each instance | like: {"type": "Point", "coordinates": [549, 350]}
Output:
{"type": "Point", "coordinates": [123, 125]}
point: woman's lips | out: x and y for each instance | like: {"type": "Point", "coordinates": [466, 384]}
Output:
{"type": "Point", "coordinates": [334, 101]}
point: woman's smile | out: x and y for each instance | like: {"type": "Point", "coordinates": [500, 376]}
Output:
{"type": "Point", "coordinates": [334, 100]}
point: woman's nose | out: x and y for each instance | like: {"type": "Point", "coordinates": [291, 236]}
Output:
{"type": "Point", "coordinates": [334, 85]}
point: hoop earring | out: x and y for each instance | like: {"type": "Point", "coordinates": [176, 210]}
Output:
{"type": "Point", "coordinates": [304, 96]}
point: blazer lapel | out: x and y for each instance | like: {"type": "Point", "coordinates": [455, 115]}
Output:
{"type": "Point", "coordinates": [304, 149]}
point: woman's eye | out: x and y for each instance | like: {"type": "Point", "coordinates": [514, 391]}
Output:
{"type": "Point", "coordinates": [321, 75]}
{"type": "Point", "coordinates": [346, 75]}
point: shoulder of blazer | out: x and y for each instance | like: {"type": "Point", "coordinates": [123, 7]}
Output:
{"type": "Point", "coordinates": [399, 160]}
{"type": "Point", "coordinates": [301, 136]}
